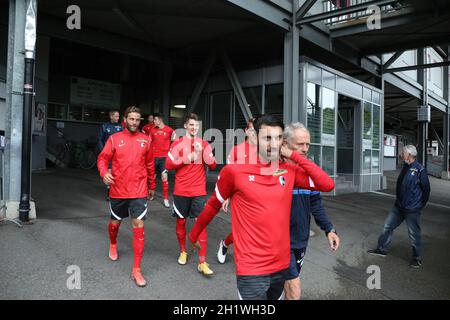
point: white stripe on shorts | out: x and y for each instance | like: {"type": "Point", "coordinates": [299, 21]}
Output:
{"type": "Point", "coordinates": [112, 212]}
{"type": "Point", "coordinates": [177, 212]}
{"type": "Point", "coordinates": [142, 214]}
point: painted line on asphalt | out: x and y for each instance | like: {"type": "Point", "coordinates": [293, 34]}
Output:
{"type": "Point", "coordinates": [428, 203]}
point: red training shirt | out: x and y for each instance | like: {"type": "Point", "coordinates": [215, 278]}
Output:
{"type": "Point", "coordinates": [132, 164]}
{"type": "Point", "coordinates": [261, 205]}
{"type": "Point", "coordinates": [147, 128]}
{"type": "Point", "coordinates": [161, 139]}
{"type": "Point", "coordinates": [190, 177]}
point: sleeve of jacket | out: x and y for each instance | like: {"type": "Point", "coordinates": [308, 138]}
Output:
{"type": "Point", "coordinates": [105, 157]}
{"type": "Point", "coordinates": [101, 138]}
{"type": "Point", "coordinates": [425, 185]}
{"type": "Point", "coordinates": [174, 160]}
{"type": "Point", "coordinates": [313, 177]}
{"type": "Point", "coordinates": [223, 190]}
{"type": "Point", "coordinates": [208, 156]}
{"type": "Point", "coordinates": [319, 213]}
{"type": "Point", "coordinates": [150, 165]}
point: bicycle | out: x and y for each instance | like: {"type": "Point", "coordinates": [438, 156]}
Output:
{"type": "Point", "coordinates": [78, 154]}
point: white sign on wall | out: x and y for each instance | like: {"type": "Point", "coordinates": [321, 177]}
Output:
{"type": "Point", "coordinates": [94, 93]}
{"type": "Point", "coordinates": [328, 139]}
{"type": "Point", "coordinates": [390, 145]}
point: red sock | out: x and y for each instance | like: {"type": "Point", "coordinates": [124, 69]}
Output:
{"type": "Point", "coordinates": [138, 246]}
{"type": "Point", "coordinates": [165, 187]}
{"type": "Point", "coordinates": [181, 234]}
{"type": "Point", "coordinates": [229, 240]}
{"type": "Point", "coordinates": [203, 239]}
{"type": "Point", "coordinates": [113, 230]}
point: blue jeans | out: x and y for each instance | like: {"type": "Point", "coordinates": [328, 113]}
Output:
{"type": "Point", "coordinates": [393, 220]}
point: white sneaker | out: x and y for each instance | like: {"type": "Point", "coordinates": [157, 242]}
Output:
{"type": "Point", "coordinates": [166, 203]}
{"type": "Point", "coordinates": [222, 253]}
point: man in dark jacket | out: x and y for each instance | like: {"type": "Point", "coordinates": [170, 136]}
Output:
{"type": "Point", "coordinates": [108, 129]}
{"type": "Point", "coordinates": [304, 204]}
{"type": "Point", "coordinates": [413, 191]}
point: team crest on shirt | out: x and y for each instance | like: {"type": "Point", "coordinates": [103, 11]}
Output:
{"type": "Point", "coordinates": [413, 171]}
{"type": "Point", "coordinates": [280, 172]}
{"type": "Point", "coordinates": [282, 180]}
{"type": "Point", "coordinates": [142, 141]}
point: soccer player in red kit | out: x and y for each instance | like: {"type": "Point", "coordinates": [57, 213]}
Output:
{"type": "Point", "coordinates": [243, 153]}
{"type": "Point", "coordinates": [188, 156]}
{"type": "Point", "coordinates": [131, 180]}
{"type": "Point", "coordinates": [261, 196]}
{"type": "Point", "coordinates": [148, 127]}
{"type": "Point", "coordinates": [162, 136]}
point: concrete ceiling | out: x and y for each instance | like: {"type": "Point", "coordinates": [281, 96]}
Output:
{"type": "Point", "coordinates": [173, 24]}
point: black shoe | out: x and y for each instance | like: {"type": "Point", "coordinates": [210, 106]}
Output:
{"type": "Point", "coordinates": [377, 252]}
{"type": "Point", "coordinates": [416, 263]}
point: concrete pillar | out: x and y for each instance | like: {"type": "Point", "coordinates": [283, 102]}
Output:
{"type": "Point", "coordinates": [422, 126]}
{"type": "Point", "coordinates": [291, 71]}
{"type": "Point", "coordinates": [14, 106]}
{"type": "Point", "coordinates": [446, 120]}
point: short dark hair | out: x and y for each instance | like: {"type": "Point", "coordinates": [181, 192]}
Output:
{"type": "Point", "coordinates": [267, 120]}
{"type": "Point", "coordinates": [111, 112]}
{"type": "Point", "coordinates": [158, 115]}
{"type": "Point", "coordinates": [190, 116]}
{"type": "Point", "coordinates": [131, 109]}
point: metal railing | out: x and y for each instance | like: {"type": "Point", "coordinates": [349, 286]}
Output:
{"type": "Point", "coordinates": [333, 5]}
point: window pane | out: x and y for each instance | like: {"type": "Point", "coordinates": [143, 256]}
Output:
{"type": "Point", "coordinates": [328, 105]}
{"type": "Point", "coordinates": [57, 111]}
{"type": "Point", "coordinates": [329, 79]}
{"type": "Point", "coordinates": [74, 113]}
{"type": "Point", "coordinates": [328, 160]}
{"type": "Point", "coordinates": [314, 154]}
{"type": "Point", "coordinates": [314, 74]}
{"type": "Point", "coordinates": [367, 131]}
{"type": "Point", "coordinates": [376, 97]}
{"type": "Point", "coordinates": [349, 87]}
{"type": "Point", "coordinates": [367, 94]}
{"type": "Point", "coordinates": [376, 127]}
{"type": "Point", "coordinates": [367, 161]}
{"type": "Point", "coordinates": [313, 109]}
{"type": "Point", "coordinates": [375, 161]}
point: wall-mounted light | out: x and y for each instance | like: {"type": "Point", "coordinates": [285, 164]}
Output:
{"type": "Point", "coordinates": [180, 106]}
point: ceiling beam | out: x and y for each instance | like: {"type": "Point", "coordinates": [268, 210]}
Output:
{"type": "Point", "coordinates": [265, 11]}
{"type": "Point", "coordinates": [419, 67]}
{"type": "Point", "coordinates": [304, 9]}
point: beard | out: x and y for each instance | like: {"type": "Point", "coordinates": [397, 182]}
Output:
{"type": "Point", "coordinates": [132, 128]}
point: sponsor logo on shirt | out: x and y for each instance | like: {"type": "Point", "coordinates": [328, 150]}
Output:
{"type": "Point", "coordinates": [282, 180]}
{"type": "Point", "coordinates": [280, 172]}
{"type": "Point", "coordinates": [251, 178]}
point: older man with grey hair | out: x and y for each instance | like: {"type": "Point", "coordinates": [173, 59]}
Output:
{"type": "Point", "coordinates": [413, 191]}
{"type": "Point", "coordinates": [304, 204]}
